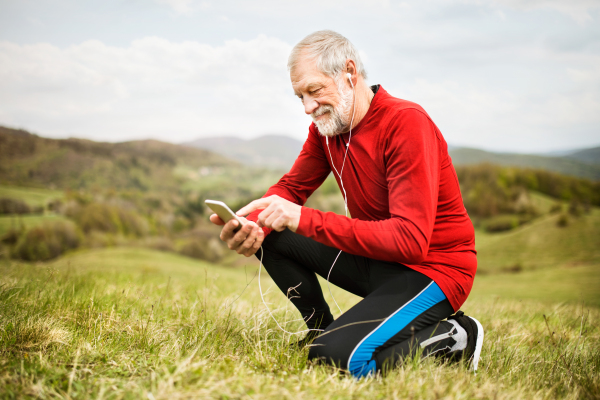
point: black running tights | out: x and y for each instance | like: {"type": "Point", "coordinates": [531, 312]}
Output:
{"type": "Point", "coordinates": [400, 312]}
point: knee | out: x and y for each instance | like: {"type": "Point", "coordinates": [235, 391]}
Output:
{"type": "Point", "coordinates": [340, 354]}
{"type": "Point", "coordinates": [329, 352]}
{"type": "Point", "coordinates": [322, 353]}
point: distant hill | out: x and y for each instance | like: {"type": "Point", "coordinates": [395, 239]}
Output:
{"type": "Point", "coordinates": [591, 156]}
{"type": "Point", "coordinates": [574, 165]}
{"type": "Point", "coordinates": [77, 164]}
{"type": "Point", "coordinates": [280, 151]}
{"type": "Point", "coordinates": [275, 151]}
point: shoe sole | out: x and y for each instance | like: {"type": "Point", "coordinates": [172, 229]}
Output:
{"type": "Point", "coordinates": [478, 345]}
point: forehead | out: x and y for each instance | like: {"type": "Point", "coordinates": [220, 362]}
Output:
{"type": "Point", "coordinates": [305, 75]}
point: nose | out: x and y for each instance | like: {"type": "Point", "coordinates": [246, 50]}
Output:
{"type": "Point", "coordinates": [310, 106]}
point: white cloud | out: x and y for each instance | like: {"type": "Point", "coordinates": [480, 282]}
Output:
{"type": "Point", "coordinates": [499, 74]}
{"type": "Point", "coordinates": [154, 87]}
{"type": "Point", "coordinates": [504, 120]}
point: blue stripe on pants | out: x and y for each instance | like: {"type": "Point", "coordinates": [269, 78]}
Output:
{"type": "Point", "coordinates": [360, 362]}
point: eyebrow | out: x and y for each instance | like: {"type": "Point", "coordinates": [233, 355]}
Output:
{"type": "Point", "coordinates": [310, 87]}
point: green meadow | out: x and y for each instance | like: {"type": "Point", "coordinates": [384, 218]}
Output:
{"type": "Point", "coordinates": [136, 323]}
{"type": "Point", "coordinates": [17, 222]}
{"type": "Point", "coordinates": [115, 286]}
{"type": "Point", "coordinates": [33, 196]}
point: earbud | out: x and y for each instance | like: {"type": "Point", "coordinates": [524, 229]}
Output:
{"type": "Point", "coordinates": [349, 76]}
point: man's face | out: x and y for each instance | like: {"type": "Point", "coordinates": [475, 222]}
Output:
{"type": "Point", "coordinates": [327, 100]}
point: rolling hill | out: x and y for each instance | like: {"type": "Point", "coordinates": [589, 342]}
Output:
{"type": "Point", "coordinates": [79, 164]}
{"type": "Point", "coordinates": [280, 152]}
{"type": "Point", "coordinates": [573, 164]}
{"type": "Point", "coordinates": [591, 156]}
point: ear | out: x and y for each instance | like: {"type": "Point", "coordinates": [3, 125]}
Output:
{"type": "Point", "coordinates": [351, 69]}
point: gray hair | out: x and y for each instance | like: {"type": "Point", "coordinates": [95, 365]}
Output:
{"type": "Point", "coordinates": [330, 50]}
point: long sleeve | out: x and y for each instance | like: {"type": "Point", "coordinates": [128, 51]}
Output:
{"type": "Point", "coordinates": [411, 155]}
{"type": "Point", "coordinates": [308, 173]}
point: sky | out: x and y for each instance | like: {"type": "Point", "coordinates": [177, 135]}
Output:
{"type": "Point", "coordinates": [501, 75]}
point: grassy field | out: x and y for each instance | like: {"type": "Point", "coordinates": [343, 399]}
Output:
{"type": "Point", "coordinates": [541, 244]}
{"type": "Point", "coordinates": [131, 323]}
{"type": "Point", "coordinates": [8, 222]}
{"type": "Point", "coordinates": [32, 196]}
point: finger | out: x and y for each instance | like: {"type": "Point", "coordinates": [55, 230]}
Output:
{"type": "Point", "coordinates": [227, 232]}
{"type": "Point", "coordinates": [261, 220]}
{"type": "Point", "coordinates": [247, 244]}
{"type": "Point", "coordinates": [255, 205]}
{"type": "Point", "coordinates": [215, 219]}
{"type": "Point", "coordinates": [274, 216]}
{"type": "Point", "coordinates": [270, 214]}
{"type": "Point", "coordinates": [238, 238]}
{"type": "Point", "coordinates": [259, 240]}
{"type": "Point", "coordinates": [257, 243]}
{"type": "Point", "coordinates": [280, 223]}
{"type": "Point", "coordinates": [265, 214]}
{"type": "Point", "coordinates": [243, 233]}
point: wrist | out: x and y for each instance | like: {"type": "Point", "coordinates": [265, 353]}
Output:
{"type": "Point", "coordinates": [295, 220]}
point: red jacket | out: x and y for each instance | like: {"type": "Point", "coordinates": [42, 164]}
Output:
{"type": "Point", "coordinates": [403, 195]}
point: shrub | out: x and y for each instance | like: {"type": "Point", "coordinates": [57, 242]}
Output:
{"type": "Point", "coordinates": [97, 217]}
{"type": "Point", "coordinates": [180, 224]}
{"type": "Point", "coordinates": [55, 205]}
{"type": "Point", "coordinates": [513, 269]}
{"type": "Point", "coordinates": [108, 218]}
{"type": "Point", "coordinates": [501, 223]}
{"type": "Point", "coordinates": [195, 248]}
{"type": "Point", "coordinates": [47, 241]}
{"type": "Point", "coordinates": [12, 236]}
{"type": "Point", "coordinates": [525, 218]}
{"type": "Point", "coordinates": [556, 208]}
{"type": "Point", "coordinates": [575, 208]}
{"type": "Point", "coordinates": [562, 221]}
{"type": "Point", "coordinates": [96, 239]}
{"type": "Point", "coordinates": [203, 249]}
{"type": "Point", "coordinates": [490, 190]}
{"type": "Point", "coordinates": [160, 243]}
{"type": "Point", "coordinates": [132, 223]}
{"type": "Point", "coordinates": [13, 206]}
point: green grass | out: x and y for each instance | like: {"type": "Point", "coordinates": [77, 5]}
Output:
{"type": "Point", "coordinates": [131, 323]}
{"type": "Point", "coordinates": [541, 244]}
{"type": "Point", "coordinates": [26, 221]}
{"type": "Point", "coordinates": [542, 202]}
{"type": "Point", "coordinates": [577, 284]}
{"type": "Point", "coordinates": [32, 196]}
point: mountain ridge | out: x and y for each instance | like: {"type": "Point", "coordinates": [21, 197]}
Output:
{"type": "Point", "coordinates": [275, 151]}
{"type": "Point", "coordinates": [280, 151]}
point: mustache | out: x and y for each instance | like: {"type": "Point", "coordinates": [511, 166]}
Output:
{"type": "Point", "coordinates": [321, 110]}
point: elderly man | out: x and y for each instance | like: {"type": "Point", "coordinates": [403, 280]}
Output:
{"type": "Point", "coordinates": [408, 248]}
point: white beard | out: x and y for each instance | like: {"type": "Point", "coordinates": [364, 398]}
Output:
{"type": "Point", "coordinates": [338, 120]}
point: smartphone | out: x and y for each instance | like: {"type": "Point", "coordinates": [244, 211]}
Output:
{"type": "Point", "coordinates": [224, 212]}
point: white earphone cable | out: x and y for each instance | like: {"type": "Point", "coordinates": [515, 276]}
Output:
{"type": "Point", "coordinates": [267, 307]}
{"type": "Point", "coordinates": [346, 207]}
{"type": "Point", "coordinates": [341, 180]}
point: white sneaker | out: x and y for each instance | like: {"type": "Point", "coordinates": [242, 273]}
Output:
{"type": "Point", "coordinates": [472, 352]}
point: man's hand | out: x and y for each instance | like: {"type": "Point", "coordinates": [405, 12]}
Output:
{"type": "Point", "coordinates": [278, 213]}
{"type": "Point", "coordinates": [246, 241]}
